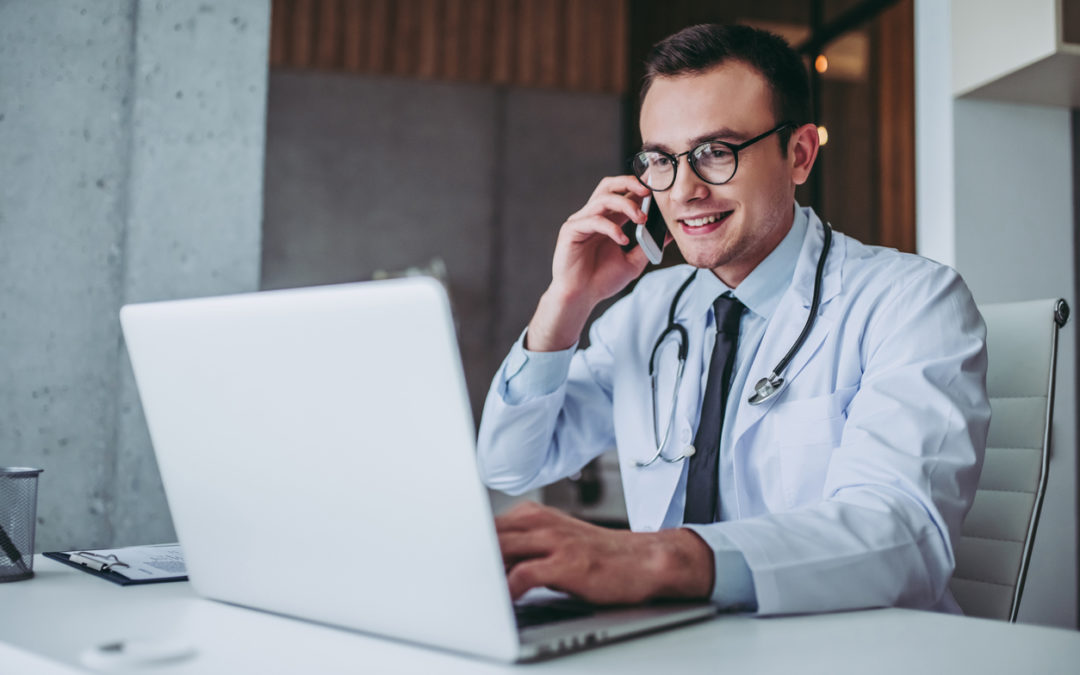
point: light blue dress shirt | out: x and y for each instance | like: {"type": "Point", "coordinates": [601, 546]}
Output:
{"type": "Point", "coordinates": [540, 373]}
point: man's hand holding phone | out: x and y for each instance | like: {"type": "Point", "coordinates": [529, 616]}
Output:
{"type": "Point", "coordinates": [590, 262]}
{"type": "Point", "coordinates": [650, 235]}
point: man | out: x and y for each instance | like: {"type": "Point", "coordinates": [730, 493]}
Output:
{"type": "Point", "coordinates": [848, 485]}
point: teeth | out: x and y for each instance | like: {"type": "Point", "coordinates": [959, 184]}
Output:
{"type": "Point", "coordinates": [698, 222]}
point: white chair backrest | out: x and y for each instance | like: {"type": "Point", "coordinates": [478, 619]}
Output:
{"type": "Point", "coordinates": [995, 545]}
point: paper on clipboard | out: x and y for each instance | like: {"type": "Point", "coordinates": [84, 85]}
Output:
{"type": "Point", "coordinates": [138, 563]}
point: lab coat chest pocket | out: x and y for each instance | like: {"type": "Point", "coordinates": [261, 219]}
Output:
{"type": "Point", "coordinates": [804, 433]}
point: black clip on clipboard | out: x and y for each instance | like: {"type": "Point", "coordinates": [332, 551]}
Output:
{"type": "Point", "coordinates": [102, 567]}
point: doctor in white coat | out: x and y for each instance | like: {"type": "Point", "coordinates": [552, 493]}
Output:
{"type": "Point", "coordinates": [847, 487]}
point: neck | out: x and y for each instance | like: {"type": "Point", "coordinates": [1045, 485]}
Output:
{"type": "Point", "coordinates": [733, 273]}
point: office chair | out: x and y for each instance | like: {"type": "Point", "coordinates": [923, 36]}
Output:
{"type": "Point", "coordinates": [994, 550]}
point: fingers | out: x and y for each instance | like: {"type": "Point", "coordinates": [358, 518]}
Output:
{"type": "Point", "coordinates": [580, 229]}
{"type": "Point", "coordinates": [533, 573]}
{"type": "Point", "coordinates": [525, 516]}
{"type": "Point", "coordinates": [614, 198]}
{"type": "Point", "coordinates": [617, 207]}
{"type": "Point", "coordinates": [620, 185]}
{"type": "Point", "coordinates": [528, 542]}
{"type": "Point", "coordinates": [521, 545]}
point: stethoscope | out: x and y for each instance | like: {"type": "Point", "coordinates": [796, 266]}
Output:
{"type": "Point", "coordinates": [765, 389]}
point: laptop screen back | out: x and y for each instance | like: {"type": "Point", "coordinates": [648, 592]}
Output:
{"type": "Point", "coordinates": [317, 452]}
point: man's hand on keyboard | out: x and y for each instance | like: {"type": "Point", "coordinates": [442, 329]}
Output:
{"type": "Point", "coordinates": [542, 546]}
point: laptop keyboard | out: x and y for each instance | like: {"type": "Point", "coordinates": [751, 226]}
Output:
{"type": "Point", "coordinates": [551, 612]}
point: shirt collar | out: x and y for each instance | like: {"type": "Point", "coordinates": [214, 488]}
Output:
{"type": "Point", "coordinates": [762, 289]}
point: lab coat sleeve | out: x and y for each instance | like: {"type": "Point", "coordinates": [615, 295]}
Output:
{"type": "Point", "coordinates": [901, 481]}
{"type": "Point", "coordinates": [734, 585]}
{"type": "Point", "coordinates": [526, 375]}
{"type": "Point", "coordinates": [531, 436]}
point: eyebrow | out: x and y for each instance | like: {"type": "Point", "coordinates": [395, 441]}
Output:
{"type": "Point", "coordinates": [721, 134]}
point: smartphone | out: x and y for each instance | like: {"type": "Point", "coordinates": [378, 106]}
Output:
{"type": "Point", "coordinates": [649, 236]}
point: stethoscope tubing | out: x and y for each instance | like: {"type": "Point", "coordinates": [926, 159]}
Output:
{"type": "Point", "coordinates": [815, 303]}
{"type": "Point", "coordinates": [766, 388]}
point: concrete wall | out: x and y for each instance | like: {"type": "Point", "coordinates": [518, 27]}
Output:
{"type": "Point", "coordinates": [996, 193]}
{"type": "Point", "coordinates": [131, 156]}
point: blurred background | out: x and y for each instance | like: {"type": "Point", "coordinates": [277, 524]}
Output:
{"type": "Point", "coordinates": [462, 133]}
{"type": "Point", "coordinates": [154, 150]}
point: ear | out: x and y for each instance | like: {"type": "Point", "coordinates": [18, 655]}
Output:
{"type": "Point", "coordinates": [802, 151]}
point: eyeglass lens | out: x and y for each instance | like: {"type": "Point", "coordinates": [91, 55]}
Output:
{"type": "Point", "coordinates": [713, 162]}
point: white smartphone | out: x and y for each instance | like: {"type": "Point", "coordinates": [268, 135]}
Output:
{"type": "Point", "coordinates": [650, 235]}
{"type": "Point", "coordinates": [654, 250]}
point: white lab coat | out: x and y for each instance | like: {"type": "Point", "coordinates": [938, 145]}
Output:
{"type": "Point", "coordinates": [851, 484]}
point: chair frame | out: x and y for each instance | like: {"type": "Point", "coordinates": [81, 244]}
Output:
{"type": "Point", "coordinates": [1061, 317]}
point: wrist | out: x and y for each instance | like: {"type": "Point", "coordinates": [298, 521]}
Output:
{"type": "Point", "coordinates": [682, 565]}
{"type": "Point", "coordinates": [558, 321]}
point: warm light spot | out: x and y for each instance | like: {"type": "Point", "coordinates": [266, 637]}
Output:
{"type": "Point", "coordinates": [823, 135]}
{"type": "Point", "coordinates": [821, 64]}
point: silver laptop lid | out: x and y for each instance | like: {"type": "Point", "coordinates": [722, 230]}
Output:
{"type": "Point", "coordinates": [317, 451]}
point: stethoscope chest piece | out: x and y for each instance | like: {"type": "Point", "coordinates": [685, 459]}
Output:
{"type": "Point", "coordinates": [766, 388]}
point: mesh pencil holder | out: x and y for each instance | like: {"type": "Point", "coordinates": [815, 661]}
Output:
{"type": "Point", "coordinates": [18, 516]}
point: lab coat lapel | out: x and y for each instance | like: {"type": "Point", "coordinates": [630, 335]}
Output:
{"type": "Point", "coordinates": [654, 486]}
{"type": "Point", "coordinates": [788, 320]}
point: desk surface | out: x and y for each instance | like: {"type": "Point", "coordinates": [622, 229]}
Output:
{"type": "Point", "coordinates": [62, 612]}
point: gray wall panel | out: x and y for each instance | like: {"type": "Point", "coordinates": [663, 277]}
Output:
{"type": "Point", "coordinates": [374, 174]}
{"type": "Point", "coordinates": [366, 174]}
{"type": "Point", "coordinates": [557, 148]}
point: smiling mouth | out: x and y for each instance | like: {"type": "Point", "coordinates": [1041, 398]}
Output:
{"type": "Point", "coordinates": [706, 220]}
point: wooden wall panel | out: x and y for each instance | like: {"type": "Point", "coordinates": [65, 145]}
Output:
{"type": "Point", "coordinates": [279, 38]}
{"type": "Point", "coordinates": [354, 16]}
{"type": "Point", "coordinates": [895, 78]}
{"type": "Point", "coordinates": [478, 52]}
{"type": "Point", "coordinates": [503, 55]}
{"type": "Point", "coordinates": [564, 44]}
{"type": "Point", "coordinates": [301, 29]}
{"type": "Point", "coordinates": [328, 50]}
{"type": "Point", "coordinates": [378, 32]}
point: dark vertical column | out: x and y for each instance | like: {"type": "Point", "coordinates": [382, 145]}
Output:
{"type": "Point", "coordinates": [817, 181]}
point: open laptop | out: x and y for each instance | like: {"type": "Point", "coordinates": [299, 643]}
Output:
{"type": "Point", "coordinates": [318, 455]}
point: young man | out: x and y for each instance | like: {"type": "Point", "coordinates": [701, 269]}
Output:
{"type": "Point", "coordinates": [845, 487]}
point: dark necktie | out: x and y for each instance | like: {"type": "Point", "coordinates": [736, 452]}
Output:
{"type": "Point", "coordinates": [702, 483]}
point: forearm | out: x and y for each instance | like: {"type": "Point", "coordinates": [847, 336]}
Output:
{"type": "Point", "coordinates": [537, 428]}
{"type": "Point", "coordinates": [866, 547]}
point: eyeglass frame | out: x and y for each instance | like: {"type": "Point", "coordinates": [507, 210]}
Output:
{"type": "Point", "coordinates": [689, 154]}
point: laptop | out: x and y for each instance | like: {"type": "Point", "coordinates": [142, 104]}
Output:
{"type": "Point", "coordinates": [317, 450]}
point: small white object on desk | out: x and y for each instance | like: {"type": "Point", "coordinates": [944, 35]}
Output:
{"type": "Point", "coordinates": [126, 654]}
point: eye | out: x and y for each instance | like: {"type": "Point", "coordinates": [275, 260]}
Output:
{"type": "Point", "coordinates": [713, 153]}
{"type": "Point", "coordinates": [655, 160]}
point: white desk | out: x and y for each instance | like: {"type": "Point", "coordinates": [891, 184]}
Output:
{"type": "Point", "coordinates": [63, 611]}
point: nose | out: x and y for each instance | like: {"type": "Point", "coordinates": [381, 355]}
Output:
{"type": "Point", "coordinates": [688, 186]}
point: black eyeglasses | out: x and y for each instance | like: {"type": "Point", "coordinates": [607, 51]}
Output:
{"type": "Point", "coordinates": [714, 162]}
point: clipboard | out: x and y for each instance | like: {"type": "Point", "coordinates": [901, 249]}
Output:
{"type": "Point", "coordinates": [101, 563]}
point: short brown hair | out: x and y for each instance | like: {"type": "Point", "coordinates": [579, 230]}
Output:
{"type": "Point", "coordinates": [697, 49]}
